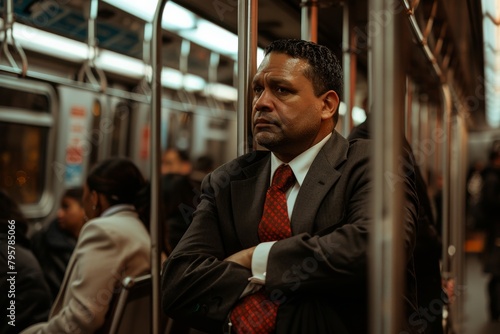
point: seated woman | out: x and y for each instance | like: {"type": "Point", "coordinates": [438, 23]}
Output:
{"type": "Point", "coordinates": [25, 296]}
{"type": "Point", "coordinates": [113, 243]}
{"type": "Point", "coordinates": [54, 244]}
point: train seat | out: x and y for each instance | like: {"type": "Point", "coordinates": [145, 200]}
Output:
{"type": "Point", "coordinates": [131, 310]}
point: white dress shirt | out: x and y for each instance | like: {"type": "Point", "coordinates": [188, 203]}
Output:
{"type": "Point", "coordinates": [300, 166]}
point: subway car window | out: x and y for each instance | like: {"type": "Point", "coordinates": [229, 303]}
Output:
{"type": "Point", "coordinates": [26, 120]}
{"type": "Point", "coordinates": [23, 100]}
{"type": "Point", "coordinates": [22, 161]}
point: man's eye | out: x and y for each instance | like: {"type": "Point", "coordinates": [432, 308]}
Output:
{"type": "Point", "coordinates": [281, 90]}
{"type": "Point", "coordinates": [257, 90]}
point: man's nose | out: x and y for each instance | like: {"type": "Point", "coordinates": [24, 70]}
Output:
{"type": "Point", "coordinates": [263, 102]}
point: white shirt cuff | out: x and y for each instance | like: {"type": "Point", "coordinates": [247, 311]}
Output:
{"type": "Point", "coordinates": [259, 262]}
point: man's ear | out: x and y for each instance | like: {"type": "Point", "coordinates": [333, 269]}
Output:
{"type": "Point", "coordinates": [330, 104]}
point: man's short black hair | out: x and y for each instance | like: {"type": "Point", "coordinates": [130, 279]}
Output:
{"type": "Point", "coordinates": [325, 72]}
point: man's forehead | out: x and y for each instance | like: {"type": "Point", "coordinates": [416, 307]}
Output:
{"type": "Point", "coordinates": [282, 63]}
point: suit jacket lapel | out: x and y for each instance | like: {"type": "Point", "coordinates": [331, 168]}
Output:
{"type": "Point", "coordinates": [248, 196]}
{"type": "Point", "coordinates": [321, 177]}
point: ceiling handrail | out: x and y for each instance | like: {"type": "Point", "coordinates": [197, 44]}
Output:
{"type": "Point", "coordinates": [185, 96]}
{"type": "Point", "coordinates": [93, 51]}
{"type": "Point", "coordinates": [8, 34]}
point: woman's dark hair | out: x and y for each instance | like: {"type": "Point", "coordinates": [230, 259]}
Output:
{"type": "Point", "coordinates": [75, 193]}
{"type": "Point", "coordinates": [120, 181]}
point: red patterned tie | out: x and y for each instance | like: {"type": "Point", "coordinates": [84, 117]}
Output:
{"type": "Point", "coordinates": [256, 313]}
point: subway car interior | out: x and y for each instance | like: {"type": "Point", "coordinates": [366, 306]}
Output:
{"type": "Point", "coordinates": [84, 80]}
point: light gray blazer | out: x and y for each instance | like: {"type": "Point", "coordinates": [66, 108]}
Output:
{"type": "Point", "coordinates": [108, 249]}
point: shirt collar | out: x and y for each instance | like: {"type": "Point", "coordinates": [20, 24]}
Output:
{"type": "Point", "coordinates": [300, 164]}
{"type": "Point", "coordinates": [117, 208]}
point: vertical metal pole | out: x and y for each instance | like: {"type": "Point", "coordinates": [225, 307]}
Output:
{"type": "Point", "coordinates": [349, 65]}
{"type": "Point", "coordinates": [156, 215]}
{"type": "Point", "coordinates": [438, 164]}
{"type": "Point", "coordinates": [9, 13]}
{"type": "Point", "coordinates": [309, 20]}
{"type": "Point", "coordinates": [462, 163]}
{"type": "Point", "coordinates": [446, 150]}
{"type": "Point", "coordinates": [408, 109]}
{"type": "Point", "coordinates": [247, 67]}
{"type": "Point", "coordinates": [453, 189]}
{"type": "Point", "coordinates": [387, 262]}
{"type": "Point", "coordinates": [424, 125]}
{"type": "Point", "coordinates": [415, 136]}
{"type": "Point", "coordinates": [94, 6]}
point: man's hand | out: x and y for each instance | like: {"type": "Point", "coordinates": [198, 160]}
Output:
{"type": "Point", "coordinates": [243, 257]}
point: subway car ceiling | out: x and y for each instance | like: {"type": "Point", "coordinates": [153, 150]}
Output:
{"type": "Point", "coordinates": [121, 32]}
{"type": "Point", "coordinates": [452, 30]}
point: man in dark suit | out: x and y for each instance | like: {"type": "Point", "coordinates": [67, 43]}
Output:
{"type": "Point", "coordinates": [316, 277]}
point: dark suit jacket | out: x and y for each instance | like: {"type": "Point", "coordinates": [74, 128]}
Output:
{"type": "Point", "coordinates": [319, 275]}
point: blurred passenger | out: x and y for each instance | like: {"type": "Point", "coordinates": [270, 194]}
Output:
{"type": "Point", "coordinates": [427, 251]}
{"type": "Point", "coordinates": [474, 185]}
{"type": "Point", "coordinates": [279, 241]}
{"type": "Point", "coordinates": [25, 296]}
{"type": "Point", "coordinates": [438, 201]}
{"type": "Point", "coordinates": [489, 220]}
{"type": "Point", "coordinates": [179, 196]}
{"type": "Point", "coordinates": [54, 244]}
{"type": "Point", "coordinates": [113, 244]}
{"type": "Point", "coordinates": [202, 166]}
{"type": "Point", "coordinates": [175, 161]}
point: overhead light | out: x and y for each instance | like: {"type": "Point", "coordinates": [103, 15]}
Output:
{"type": "Point", "coordinates": [50, 44]}
{"type": "Point", "coordinates": [174, 79]}
{"type": "Point", "coordinates": [144, 9]}
{"type": "Point", "coordinates": [64, 48]}
{"type": "Point", "coordinates": [260, 56]}
{"type": "Point", "coordinates": [358, 115]}
{"type": "Point", "coordinates": [171, 78]}
{"type": "Point", "coordinates": [342, 108]}
{"type": "Point", "coordinates": [222, 92]}
{"type": "Point", "coordinates": [212, 37]}
{"type": "Point", "coordinates": [491, 36]}
{"type": "Point", "coordinates": [116, 63]}
{"type": "Point", "coordinates": [193, 82]}
{"type": "Point", "coordinates": [174, 16]}
{"type": "Point", "coordinates": [187, 25]}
